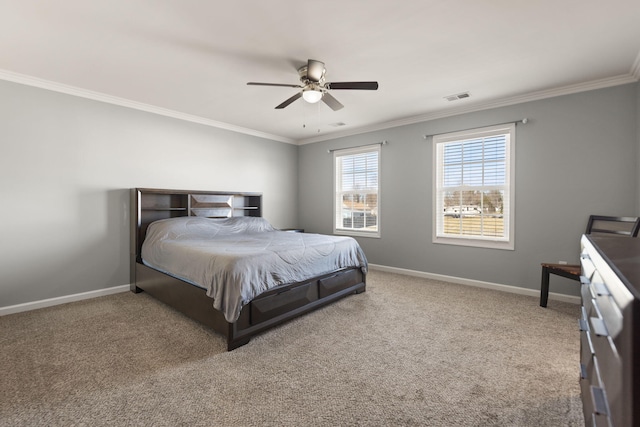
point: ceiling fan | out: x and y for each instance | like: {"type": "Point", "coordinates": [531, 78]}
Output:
{"type": "Point", "coordinates": [315, 88]}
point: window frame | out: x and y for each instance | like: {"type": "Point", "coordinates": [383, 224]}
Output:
{"type": "Point", "coordinates": [337, 193]}
{"type": "Point", "coordinates": [439, 141]}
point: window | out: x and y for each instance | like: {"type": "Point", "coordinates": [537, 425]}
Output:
{"type": "Point", "coordinates": [473, 187]}
{"type": "Point", "coordinates": [357, 195]}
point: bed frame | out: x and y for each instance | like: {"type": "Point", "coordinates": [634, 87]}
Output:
{"type": "Point", "coordinates": [267, 310]}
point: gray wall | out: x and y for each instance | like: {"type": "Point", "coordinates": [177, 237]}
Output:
{"type": "Point", "coordinates": [65, 169]}
{"type": "Point", "coordinates": [67, 164]}
{"type": "Point", "coordinates": [576, 156]}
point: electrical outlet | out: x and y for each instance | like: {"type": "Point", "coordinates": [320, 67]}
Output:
{"type": "Point", "coordinates": [562, 262]}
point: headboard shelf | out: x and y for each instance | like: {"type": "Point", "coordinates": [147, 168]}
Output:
{"type": "Point", "coordinates": [150, 204]}
{"type": "Point", "coordinates": [159, 208]}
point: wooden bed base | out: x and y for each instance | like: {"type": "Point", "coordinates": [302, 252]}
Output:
{"type": "Point", "coordinates": [267, 310]}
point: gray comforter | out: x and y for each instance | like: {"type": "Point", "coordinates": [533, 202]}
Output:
{"type": "Point", "coordinates": [236, 259]}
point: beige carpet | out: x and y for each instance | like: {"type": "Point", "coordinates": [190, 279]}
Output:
{"type": "Point", "coordinates": [408, 351]}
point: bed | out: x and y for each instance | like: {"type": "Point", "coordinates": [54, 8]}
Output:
{"type": "Point", "coordinates": [249, 276]}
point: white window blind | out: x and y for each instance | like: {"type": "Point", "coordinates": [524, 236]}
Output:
{"type": "Point", "coordinates": [474, 187]}
{"type": "Point", "coordinates": [357, 196]}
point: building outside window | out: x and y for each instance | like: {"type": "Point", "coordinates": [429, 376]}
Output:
{"type": "Point", "coordinates": [357, 195]}
{"type": "Point", "coordinates": [474, 187]}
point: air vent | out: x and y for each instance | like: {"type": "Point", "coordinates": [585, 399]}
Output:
{"type": "Point", "coordinates": [462, 95]}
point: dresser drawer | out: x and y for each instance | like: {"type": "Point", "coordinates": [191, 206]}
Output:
{"type": "Point", "coordinates": [587, 299]}
{"type": "Point", "coordinates": [605, 349]}
{"type": "Point", "coordinates": [600, 416]}
{"type": "Point", "coordinates": [276, 304]}
{"type": "Point", "coordinates": [594, 405]}
{"type": "Point", "coordinates": [587, 265]}
{"type": "Point", "coordinates": [607, 307]}
{"type": "Point", "coordinates": [332, 284]}
{"type": "Point", "coordinates": [587, 404]}
{"type": "Point", "coordinates": [588, 369]}
{"type": "Point", "coordinates": [599, 420]}
{"type": "Point", "coordinates": [595, 292]}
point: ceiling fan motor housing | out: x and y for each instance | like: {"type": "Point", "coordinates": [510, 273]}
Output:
{"type": "Point", "coordinates": [304, 77]}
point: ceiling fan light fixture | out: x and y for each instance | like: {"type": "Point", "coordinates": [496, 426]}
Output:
{"type": "Point", "coordinates": [311, 95]}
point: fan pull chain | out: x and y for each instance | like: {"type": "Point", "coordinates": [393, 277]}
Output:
{"type": "Point", "coordinates": [305, 117]}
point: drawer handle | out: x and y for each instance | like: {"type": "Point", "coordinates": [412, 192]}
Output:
{"type": "Point", "coordinates": [599, 401]}
{"type": "Point", "coordinates": [601, 289]}
{"type": "Point", "coordinates": [598, 327]}
{"type": "Point", "coordinates": [584, 325]}
{"type": "Point", "coordinates": [583, 371]}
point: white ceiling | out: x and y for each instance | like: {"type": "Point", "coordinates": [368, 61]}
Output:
{"type": "Point", "coordinates": [193, 58]}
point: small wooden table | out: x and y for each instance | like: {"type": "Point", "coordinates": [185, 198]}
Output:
{"type": "Point", "coordinates": [570, 271]}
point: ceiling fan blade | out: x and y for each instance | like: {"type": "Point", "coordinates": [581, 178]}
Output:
{"type": "Point", "coordinates": [333, 103]}
{"type": "Point", "coordinates": [315, 70]}
{"type": "Point", "coordinates": [353, 85]}
{"type": "Point", "coordinates": [289, 101]}
{"type": "Point", "coordinates": [271, 84]}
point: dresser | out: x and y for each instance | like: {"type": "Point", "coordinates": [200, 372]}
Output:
{"type": "Point", "coordinates": [610, 331]}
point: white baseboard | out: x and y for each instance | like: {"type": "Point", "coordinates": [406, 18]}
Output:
{"type": "Point", "coordinates": [61, 300]}
{"type": "Point", "coordinates": [476, 283]}
{"type": "Point", "coordinates": [462, 281]}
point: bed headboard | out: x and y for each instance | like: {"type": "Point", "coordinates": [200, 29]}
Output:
{"type": "Point", "coordinates": [151, 204]}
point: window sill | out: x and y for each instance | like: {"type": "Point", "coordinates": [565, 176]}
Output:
{"type": "Point", "coordinates": [356, 233]}
{"type": "Point", "coordinates": [476, 243]}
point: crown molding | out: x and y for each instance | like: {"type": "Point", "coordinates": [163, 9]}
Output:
{"type": "Point", "coordinates": [632, 77]}
{"type": "Point", "coordinates": [519, 99]}
{"type": "Point", "coordinates": [102, 97]}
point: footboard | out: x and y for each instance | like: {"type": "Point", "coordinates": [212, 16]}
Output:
{"type": "Point", "coordinates": [267, 310]}
{"type": "Point", "coordinates": [287, 302]}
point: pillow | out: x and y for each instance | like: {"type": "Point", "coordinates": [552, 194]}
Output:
{"type": "Point", "coordinates": [191, 227]}
{"type": "Point", "coordinates": [243, 224]}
